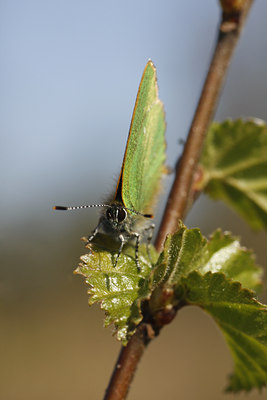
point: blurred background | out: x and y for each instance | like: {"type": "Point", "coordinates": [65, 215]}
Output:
{"type": "Point", "coordinates": [69, 75]}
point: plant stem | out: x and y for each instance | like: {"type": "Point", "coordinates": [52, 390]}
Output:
{"type": "Point", "coordinates": [181, 197]}
{"type": "Point", "coordinates": [126, 365]}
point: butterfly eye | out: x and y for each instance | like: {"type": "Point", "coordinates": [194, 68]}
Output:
{"type": "Point", "coordinates": [121, 214]}
{"type": "Point", "coordinates": [109, 213]}
{"type": "Point", "coordinates": [117, 214]}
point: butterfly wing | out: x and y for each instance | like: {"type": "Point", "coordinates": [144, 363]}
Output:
{"type": "Point", "coordinates": [144, 158]}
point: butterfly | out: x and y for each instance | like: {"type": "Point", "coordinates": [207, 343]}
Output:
{"type": "Point", "coordinates": [128, 216]}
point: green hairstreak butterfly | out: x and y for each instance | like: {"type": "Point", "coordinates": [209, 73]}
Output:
{"type": "Point", "coordinates": [127, 217]}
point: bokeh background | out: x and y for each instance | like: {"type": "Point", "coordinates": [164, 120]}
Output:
{"type": "Point", "coordinates": [69, 75]}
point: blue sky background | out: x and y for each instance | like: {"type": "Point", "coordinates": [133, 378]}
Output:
{"type": "Point", "coordinates": [69, 75]}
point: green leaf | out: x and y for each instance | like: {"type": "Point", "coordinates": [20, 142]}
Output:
{"type": "Point", "coordinates": [201, 272]}
{"type": "Point", "coordinates": [120, 289]}
{"type": "Point", "coordinates": [242, 319]}
{"type": "Point", "coordinates": [181, 254]}
{"type": "Point", "coordinates": [187, 250]}
{"type": "Point", "coordinates": [224, 253]}
{"type": "Point", "coordinates": [234, 168]}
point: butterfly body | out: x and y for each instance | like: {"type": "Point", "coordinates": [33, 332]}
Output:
{"type": "Point", "coordinates": [128, 216]}
{"type": "Point", "coordinates": [124, 226]}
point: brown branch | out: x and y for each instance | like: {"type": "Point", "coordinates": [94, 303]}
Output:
{"type": "Point", "coordinates": [181, 197]}
{"type": "Point", "coordinates": [126, 364]}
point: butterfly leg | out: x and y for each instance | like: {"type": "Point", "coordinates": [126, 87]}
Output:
{"type": "Point", "coordinates": [150, 231]}
{"type": "Point", "coordinates": [121, 237]}
{"type": "Point", "coordinates": [91, 237]}
{"type": "Point", "coordinates": [137, 250]}
{"type": "Point", "coordinates": [93, 234]}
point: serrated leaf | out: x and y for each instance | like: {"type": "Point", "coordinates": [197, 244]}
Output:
{"type": "Point", "coordinates": [234, 168]}
{"type": "Point", "coordinates": [192, 270]}
{"type": "Point", "coordinates": [242, 319]}
{"type": "Point", "coordinates": [179, 257]}
{"type": "Point", "coordinates": [224, 253]}
{"type": "Point", "coordinates": [187, 250]}
{"type": "Point", "coordinates": [119, 289]}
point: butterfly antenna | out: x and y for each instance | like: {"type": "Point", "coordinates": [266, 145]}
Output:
{"type": "Point", "coordinates": [79, 207]}
{"type": "Point", "coordinates": [64, 208]}
{"type": "Point", "coordinates": [138, 213]}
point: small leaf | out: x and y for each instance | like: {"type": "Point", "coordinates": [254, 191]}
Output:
{"type": "Point", "coordinates": [224, 253]}
{"type": "Point", "coordinates": [192, 270]}
{"type": "Point", "coordinates": [180, 256]}
{"type": "Point", "coordinates": [187, 250]}
{"type": "Point", "coordinates": [242, 319]}
{"type": "Point", "coordinates": [234, 168]}
{"type": "Point", "coordinates": [118, 289]}
{"type": "Point", "coordinates": [121, 290]}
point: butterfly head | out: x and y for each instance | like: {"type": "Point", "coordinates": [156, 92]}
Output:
{"type": "Point", "coordinates": [116, 214]}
